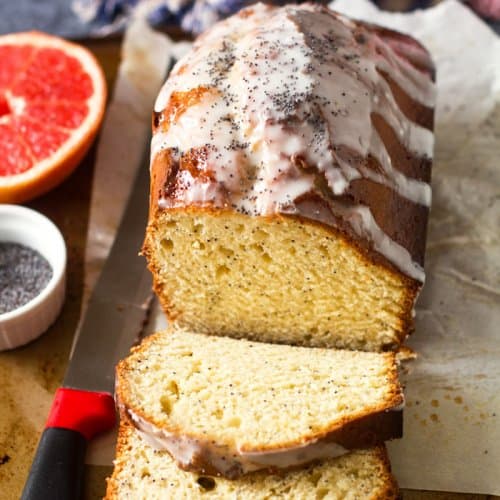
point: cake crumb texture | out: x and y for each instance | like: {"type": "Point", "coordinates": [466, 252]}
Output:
{"type": "Point", "coordinates": [142, 473]}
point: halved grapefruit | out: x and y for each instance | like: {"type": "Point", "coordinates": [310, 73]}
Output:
{"type": "Point", "coordinates": [52, 101]}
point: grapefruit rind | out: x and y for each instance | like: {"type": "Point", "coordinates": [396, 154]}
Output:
{"type": "Point", "coordinates": [47, 173]}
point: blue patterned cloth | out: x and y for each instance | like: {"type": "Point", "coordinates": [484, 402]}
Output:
{"type": "Point", "coordinates": [193, 16]}
{"type": "Point", "coordinates": [96, 18]}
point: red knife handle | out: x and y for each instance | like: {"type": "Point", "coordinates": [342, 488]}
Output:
{"type": "Point", "coordinates": [86, 412]}
{"type": "Point", "coordinates": [58, 467]}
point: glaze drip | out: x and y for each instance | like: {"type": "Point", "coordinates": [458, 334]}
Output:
{"type": "Point", "coordinates": [187, 451]}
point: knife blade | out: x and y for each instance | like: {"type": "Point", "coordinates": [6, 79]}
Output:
{"type": "Point", "coordinates": [84, 405]}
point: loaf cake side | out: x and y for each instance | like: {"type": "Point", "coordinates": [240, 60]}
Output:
{"type": "Point", "coordinates": [228, 407]}
{"type": "Point", "coordinates": [140, 471]}
{"type": "Point", "coordinates": [290, 180]}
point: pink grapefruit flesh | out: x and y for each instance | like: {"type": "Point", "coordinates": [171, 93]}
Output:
{"type": "Point", "coordinates": [52, 98]}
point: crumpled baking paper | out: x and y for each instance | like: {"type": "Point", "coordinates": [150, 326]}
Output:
{"type": "Point", "coordinates": [452, 418]}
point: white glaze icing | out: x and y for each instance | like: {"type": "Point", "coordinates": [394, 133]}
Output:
{"type": "Point", "coordinates": [362, 221]}
{"type": "Point", "coordinates": [292, 88]}
{"type": "Point", "coordinates": [187, 451]}
{"type": "Point", "coordinates": [296, 456]}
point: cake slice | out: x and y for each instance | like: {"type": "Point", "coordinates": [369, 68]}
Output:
{"type": "Point", "coordinates": [141, 473]}
{"type": "Point", "coordinates": [223, 406]}
{"type": "Point", "coordinates": [290, 180]}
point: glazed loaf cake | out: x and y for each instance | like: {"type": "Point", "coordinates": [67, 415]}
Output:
{"type": "Point", "coordinates": [141, 473]}
{"type": "Point", "coordinates": [228, 407]}
{"type": "Point", "coordinates": [290, 190]}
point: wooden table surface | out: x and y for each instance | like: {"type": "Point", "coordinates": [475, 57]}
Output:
{"type": "Point", "coordinates": [30, 375]}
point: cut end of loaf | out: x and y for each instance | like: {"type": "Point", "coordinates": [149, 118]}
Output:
{"type": "Point", "coordinates": [275, 279]}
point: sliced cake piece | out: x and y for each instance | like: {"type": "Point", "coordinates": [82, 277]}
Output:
{"type": "Point", "coordinates": [290, 170]}
{"type": "Point", "coordinates": [141, 473]}
{"type": "Point", "coordinates": [227, 407]}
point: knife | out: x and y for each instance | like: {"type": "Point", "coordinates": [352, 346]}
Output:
{"type": "Point", "coordinates": [84, 406]}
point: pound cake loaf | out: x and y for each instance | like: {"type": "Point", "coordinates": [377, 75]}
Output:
{"type": "Point", "coordinates": [290, 166]}
{"type": "Point", "coordinates": [224, 406]}
{"type": "Point", "coordinates": [141, 473]}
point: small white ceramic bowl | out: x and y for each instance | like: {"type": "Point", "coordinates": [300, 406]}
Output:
{"type": "Point", "coordinates": [32, 229]}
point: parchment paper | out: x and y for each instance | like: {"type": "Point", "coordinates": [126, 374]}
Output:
{"type": "Point", "coordinates": [124, 137]}
{"type": "Point", "coordinates": [452, 419]}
